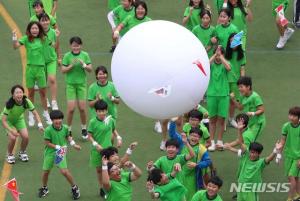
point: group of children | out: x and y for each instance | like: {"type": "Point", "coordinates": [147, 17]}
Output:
{"type": "Point", "coordinates": [186, 172]}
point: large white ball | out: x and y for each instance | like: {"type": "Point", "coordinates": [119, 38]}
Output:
{"type": "Point", "coordinates": [160, 69]}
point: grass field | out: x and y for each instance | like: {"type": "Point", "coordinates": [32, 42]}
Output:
{"type": "Point", "coordinates": [275, 76]}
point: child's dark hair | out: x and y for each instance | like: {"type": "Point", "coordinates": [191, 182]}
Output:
{"type": "Point", "coordinates": [41, 34]}
{"type": "Point", "coordinates": [172, 142]}
{"type": "Point", "coordinates": [201, 4]}
{"type": "Point", "coordinates": [295, 111]}
{"type": "Point", "coordinates": [216, 181]}
{"type": "Point", "coordinates": [255, 146]}
{"type": "Point", "coordinates": [143, 4]}
{"type": "Point", "coordinates": [109, 166]}
{"type": "Point", "coordinates": [245, 80]}
{"type": "Point", "coordinates": [195, 114]}
{"type": "Point", "coordinates": [75, 39]}
{"type": "Point", "coordinates": [56, 114]}
{"type": "Point", "coordinates": [11, 102]}
{"type": "Point", "coordinates": [38, 3]}
{"type": "Point", "coordinates": [108, 152]}
{"type": "Point", "coordinates": [226, 11]}
{"type": "Point", "coordinates": [102, 69]}
{"type": "Point", "coordinates": [205, 12]}
{"type": "Point", "coordinates": [100, 105]}
{"type": "Point", "coordinates": [221, 48]}
{"type": "Point", "coordinates": [239, 5]}
{"type": "Point", "coordinates": [245, 118]}
{"type": "Point", "coordinates": [229, 50]}
{"type": "Point", "coordinates": [43, 16]}
{"type": "Point", "coordinates": [155, 175]}
{"type": "Point", "coordinates": [196, 130]}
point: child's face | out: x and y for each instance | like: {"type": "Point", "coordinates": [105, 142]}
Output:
{"type": "Point", "coordinates": [196, 2]}
{"type": "Point", "coordinates": [101, 114]}
{"type": "Point", "coordinates": [140, 12]}
{"type": "Point", "coordinates": [75, 47]}
{"type": "Point", "coordinates": [18, 95]}
{"type": "Point", "coordinates": [233, 2]}
{"type": "Point", "coordinates": [171, 151]}
{"type": "Point", "coordinates": [223, 18]}
{"type": "Point", "coordinates": [126, 3]}
{"type": "Point", "coordinates": [194, 139]}
{"type": "Point", "coordinates": [45, 23]}
{"type": "Point", "coordinates": [205, 20]}
{"type": "Point", "coordinates": [293, 119]}
{"type": "Point", "coordinates": [115, 173]}
{"type": "Point", "coordinates": [38, 9]}
{"type": "Point", "coordinates": [244, 90]}
{"type": "Point", "coordinates": [212, 189]}
{"type": "Point", "coordinates": [114, 158]}
{"type": "Point", "coordinates": [194, 121]}
{"type": "Point", "coordinates": [164, 179]}
{"type": "Point", "coordinates": [254, 155]}
{"type": "Point", "coordinates": [34, 30]}
{"type": "Point", "coordinates": [102, 77]}
{"type": "Point", "coordinates": [57, 123]}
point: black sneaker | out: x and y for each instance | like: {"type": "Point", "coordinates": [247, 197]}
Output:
{"type": "Point", "coordinates": [43, 191]}
{"type": "Point", "coordinates": [102, 193]}
{"type": "Point", "coordinates": [84, 134]}
{"type": "Point", "coordinates": [112, 49]}
{"type": "Point", "coordinates": [75, 192]}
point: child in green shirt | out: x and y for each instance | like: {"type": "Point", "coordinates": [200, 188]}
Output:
{"type": "Point", "coordinates": [38, 7]}
{"type": "Point", "coordinates": [191, 14]}
{"type": "Point", "coordinates": [56, 137]}
{"type": "Point", "coordinates": [211, 192]}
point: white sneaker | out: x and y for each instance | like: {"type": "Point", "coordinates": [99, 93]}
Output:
{"type": "Point", "coordinates": [162, 146]}
{"type": "Point", "coordinates": [47, 117]}
{"type": "Point", "coordinates": [31, 120]}
{"type": "Point", "coordinates": [220, 145]}
{"type": "Point", "coordinates": [23, 156]}
{"type": "Point", "coordinates": [212, 147]}
{"type": "Point", "coordinates": [157, 127]}
{"type": "Point", "coordinates": [232, 123]}
{"type": "Point", "coordinates": [54, 105]}
{"type": "Point", "coordinates": [48, 103]}
{"type": "Point", "coordinates": [10, 159]}
{"type": "Point", "coordinates": [288, 33]}
{"type": "Point", "coordinates": [281, 43]}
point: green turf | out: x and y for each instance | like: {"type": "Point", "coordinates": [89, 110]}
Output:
{"type": "Point", "coordinates": [275, 76]}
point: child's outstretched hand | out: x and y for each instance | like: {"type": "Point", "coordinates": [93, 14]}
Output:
{"type": "Point", "coordinates": [150, 186]}
{"type": "Point", "coordinates": [184, 138]}
{"type": "Point", "coordinates": [150, 165]}
{"type": "Point", "coordinates": [133, 145]}
{"type": "Point", "coordinates": [240, 124]}
{"type": "Point", "coordinates": [77, 147]}
{"type": "Point", "coordinates": [177, 167]}
{"type": "Point", "coordinates": [104, 160]}
{"type": "Point", "coordinates": [191, 165]}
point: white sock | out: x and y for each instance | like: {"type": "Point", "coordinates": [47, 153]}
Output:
{"type": "Point", "coordinates": [70, 128]}
{"type": "Point", "coordinates": [83, 126]}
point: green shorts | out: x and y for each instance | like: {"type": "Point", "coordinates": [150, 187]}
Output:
{"type": "Point", "coordinates": [35, 74]}
{"type": "Point", "coordinates": [76, 91]}
{"type": "Point", "coordinates": [218, 106]}
{"type": "Point", "coordinates": [95, 159]}
{"type": "Point", "coordinates": [285, 4]}
{"type": "Point", "coordinates": [290, 167]}
{"type": "Point", "coordinates": [51, 68]}
{"type": "Point", "coordinates": [18, 125]}
{"type": "Point", "coordinates": [247, 196]}
{"type": "Point", "coordinates": [233, 88]}
{"type": "Point", "coordinates": [257, 129]}
{"type": "Point", "coordinates": [49, 162]}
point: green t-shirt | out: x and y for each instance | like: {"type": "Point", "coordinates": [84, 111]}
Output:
{"type": "Point", "coordinates": [167, 165]}
{"type": "Point", "coordinates": [34, 51]}
{"type": "Point", "coordinates": [55, 136]}
{"type": "Point", "coordinates": [222, 33]}
{"type": "Point", "coordinates": [121, 14]}
{"type": "Point", "coordinates": [218, 82]}
{"type": "Point", "coordinates": [292, 142]}
{"type": "Point", "coordinates": [77, 74]}
{"type": "Point", "coordinates": [250, 104]}
{"type": "Point", "coordinates": [219, 4]}
{"type": "Point", "coordinates": [17, 111]}
{"type": "Point", "coordinates": [172, 191]}
{"type": "Point", "coordinates": [205, 134]}
{"type": "Point", "coordinates": [48, 5]}
{"type": "Point", "coordinates": [239, 20]}
{"type": "Point", "coordinates": [101, 131]}
{"type": "Point", "coordinates": [204, 35]}
{"type": "Point", "coordinates": [235, 72]}
{"type": "Point", "coordinates": [49, 49]}
{"type": "Point", "coordinates": [132, 21]}
{"type": "Point", "coordinates": [35, 18]}
{"type": "Point", "coordinates": [120, 190]}
{"type": "Point", "coordinates": [113, 4]}
{"type": "Point", "coordinates": [203, 196]}
{"type": "Point", "coordinates": [248, 137]}
{"type": "Point", "coordinates": [251, 171]}
{"type": "Point", "coordinates": [194, 19]}
{"type": "Point", "coordinates": [103, 90]}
